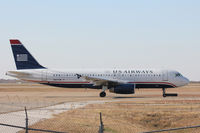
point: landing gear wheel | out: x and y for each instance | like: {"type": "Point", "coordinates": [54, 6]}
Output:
{"type": "Point", "coordinates": [102, 94]}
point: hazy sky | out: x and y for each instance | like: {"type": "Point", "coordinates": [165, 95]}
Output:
{"type": "Point", "coordinates": [104, 34]}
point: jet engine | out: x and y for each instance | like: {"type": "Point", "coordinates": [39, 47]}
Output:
{"type": "Point", "coordinates": [123, 89]}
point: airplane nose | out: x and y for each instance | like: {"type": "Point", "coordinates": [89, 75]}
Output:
{"type": "Point", "coordinates": [186, 81]}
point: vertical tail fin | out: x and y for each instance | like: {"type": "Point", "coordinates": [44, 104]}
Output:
{"type": "Point", "coordinates": [23, 59]}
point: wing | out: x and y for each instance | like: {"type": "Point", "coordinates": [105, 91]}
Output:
{"type": "Point", "coordinates": [101, 81]}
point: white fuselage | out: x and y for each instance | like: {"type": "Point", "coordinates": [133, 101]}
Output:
{"type": "Point", "coordinates": [140, 78]}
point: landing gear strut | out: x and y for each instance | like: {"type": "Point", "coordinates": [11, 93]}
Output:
{"type": "Point", "coordinates": [103, 93]}
{"type": "Point", "coordinates": [164, 94]}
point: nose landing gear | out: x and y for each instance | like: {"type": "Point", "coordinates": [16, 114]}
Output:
{"type": "Point", "coordinates": [168, 94]}
{"type": "Point", "coordinates": [164, 94]}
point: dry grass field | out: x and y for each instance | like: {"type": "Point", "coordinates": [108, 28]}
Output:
{"type": "Point", "coordinates": [144, 111]}
{"type": "Point", "coordinates": [15, 97]}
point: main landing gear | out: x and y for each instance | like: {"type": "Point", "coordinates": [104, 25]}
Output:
{"type": "Point", "coordinates": [168, 94]}
{"type": "Point", "coordinates": [103, 93]}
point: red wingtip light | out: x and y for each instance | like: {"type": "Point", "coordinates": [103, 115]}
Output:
{"type": "Point", "coordinates": [15, 42]}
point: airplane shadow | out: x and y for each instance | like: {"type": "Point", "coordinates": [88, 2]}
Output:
{"type": "Point", "coordinates": [126, 97]}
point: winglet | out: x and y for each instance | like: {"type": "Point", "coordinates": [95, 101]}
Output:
{"type": "Point", "coordinates": [13, 42]}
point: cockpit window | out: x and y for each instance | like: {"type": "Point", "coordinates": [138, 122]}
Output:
{"type": "Point", "coordinates": [178, 75]}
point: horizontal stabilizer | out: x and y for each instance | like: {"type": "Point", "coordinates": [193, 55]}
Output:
{"type": "Point", "coordinates": [18, 74]}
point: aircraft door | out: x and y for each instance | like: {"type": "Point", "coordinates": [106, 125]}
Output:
{"type": "Point", "coordinates": [165, 75]}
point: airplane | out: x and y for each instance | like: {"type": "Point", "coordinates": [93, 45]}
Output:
{"type": "Point", "coordinates": [119, 81]}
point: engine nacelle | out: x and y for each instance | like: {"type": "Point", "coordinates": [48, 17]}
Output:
{"type": "Point", "coordinates": [123, 89]}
